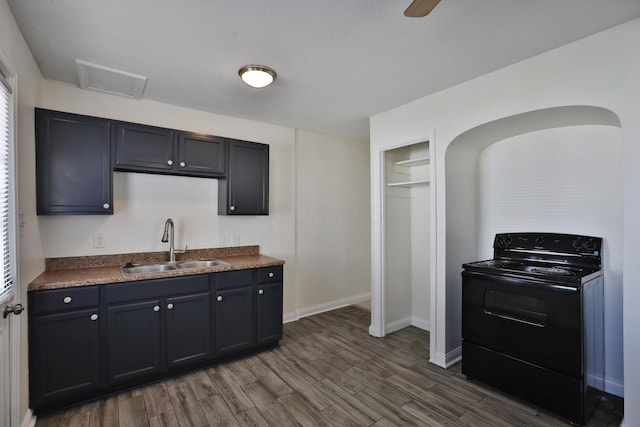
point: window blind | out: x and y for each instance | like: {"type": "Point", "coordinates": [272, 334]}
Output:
{"type": "Point", "coordinates": [7, 223]}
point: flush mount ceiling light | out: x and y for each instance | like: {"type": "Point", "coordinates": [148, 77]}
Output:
{"type": "Point", "coordinates": [257, 76]}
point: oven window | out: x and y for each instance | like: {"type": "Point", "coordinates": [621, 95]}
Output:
{"type": "Point", "coordinates": [519, 308]}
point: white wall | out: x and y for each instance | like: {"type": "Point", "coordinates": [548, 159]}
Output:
{"type": "Point", "coordinates": [30, 259]}
{"type": "Point", "coordinates": [332, 221]}
{"type": "Point", "coordinates": [601, 71]}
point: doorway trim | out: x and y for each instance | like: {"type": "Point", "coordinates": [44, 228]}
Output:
{"type": "Point", "coordinates": [378, 326]}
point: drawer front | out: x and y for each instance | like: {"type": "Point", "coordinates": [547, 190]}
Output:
{"type": "Point", "coordinates": [156, 288]}
{"type": "Point", "coordinates": [270, 274]}
{"type": "Point", "coordinates": [231, 279]}
{"type": "Point", "coordinates": [63, 299]}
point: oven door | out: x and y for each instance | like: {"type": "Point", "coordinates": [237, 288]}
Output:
{"type": "Point", "coordinates": [526, 319]}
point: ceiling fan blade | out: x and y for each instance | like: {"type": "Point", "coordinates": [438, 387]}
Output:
{"type": "Point", "coordinates": [420, 8]}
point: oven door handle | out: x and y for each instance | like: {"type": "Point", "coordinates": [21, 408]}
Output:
{"type": "Point", "coordinates": [515, 319]}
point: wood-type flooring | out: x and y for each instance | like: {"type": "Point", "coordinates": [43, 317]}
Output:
{"type": "Point", "coordinates": [327, 371]}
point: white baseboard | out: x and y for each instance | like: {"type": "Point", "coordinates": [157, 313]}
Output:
{"type": "Point", "coordinates": [29, 419]}
{"type": "Point", "coordinates": [396, 325]}
{"type": "Point", "coordinates": [615, 387]}
{"type": "Point", "coordinates": [445, 360]}
{"type": "Point", "coordinates": [327, 306]}
{"type": "Point", "coordinates": [419, 323]}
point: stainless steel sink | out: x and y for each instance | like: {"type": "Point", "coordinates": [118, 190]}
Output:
{"type": "Point", "coordinates": [199, 263]}
{"type": "Point", "coordinates": [147, 268]}
{"type": "Point", "coordinates": [168, 266]}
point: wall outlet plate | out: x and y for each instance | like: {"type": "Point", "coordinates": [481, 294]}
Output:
{"type": "Point", "coordinates": [99, 240]}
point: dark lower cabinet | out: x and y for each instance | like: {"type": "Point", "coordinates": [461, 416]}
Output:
{"type": "Point", "coordinates": [87, 342]}
{"type": "Point", "coordinates": [64, 348]}
{"type": "Point", "coordinates": [248, 308]}
{"type": "Point", "coordinates": [268, 312]}
{"type": "Point", "coordinates": [133, 340]}
{"type": "Point", "coordinates": [66, 352]}
{"type": "Point", "coordinates": [234, 319]}
{"type": "Point", "coordinates": [73, 164]}
{"type": "Point", "coordinates": [188, 329]}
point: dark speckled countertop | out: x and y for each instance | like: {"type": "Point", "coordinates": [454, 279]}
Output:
{"type": "Point", "coordinates": [94, 270]}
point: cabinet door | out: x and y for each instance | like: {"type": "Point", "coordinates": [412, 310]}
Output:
{"type": "Point", "coordinates": [133, 340]}
{"type": "Point", "coordinates": [188, 329]}
{"type": "Point", "coordinates": [73, 164]}
{"type": "Point", "coordinates": [201, 155]}
{"type": "Point", "coordinates": [246, 189]}
{"type": "Point", "coordinates": [268, 312]}
{"type": "Point", "coordinates": [64, 355]}
{"type": "Point", "coordinates": [140, 148]}
{"type": "Point", "coordinates": [234, 319]}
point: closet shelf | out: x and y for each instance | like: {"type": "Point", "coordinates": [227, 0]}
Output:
{"type": "Point", "coordinates": [414, 162]}
{"type": "Point", "coordinates": [408, 183]}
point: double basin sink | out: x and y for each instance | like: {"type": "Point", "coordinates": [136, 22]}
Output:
{"type": "Point", "coordinates": [130, 268]}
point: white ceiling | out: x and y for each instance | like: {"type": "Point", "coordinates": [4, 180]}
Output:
{"type": "Point", "coordinates": [338, 61]}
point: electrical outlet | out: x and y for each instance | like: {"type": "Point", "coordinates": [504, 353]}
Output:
{"type": "Point", "coordinates": [99, 240]}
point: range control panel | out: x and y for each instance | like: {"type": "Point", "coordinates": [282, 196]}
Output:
{"type": "Point", "coordinates": [551, 242]}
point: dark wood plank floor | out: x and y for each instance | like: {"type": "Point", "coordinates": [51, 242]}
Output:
{"type": "Point", "coordinates": [327, 371]}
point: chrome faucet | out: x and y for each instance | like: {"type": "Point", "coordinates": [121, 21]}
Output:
{"type": "Point", "coordinates": [168, 237]}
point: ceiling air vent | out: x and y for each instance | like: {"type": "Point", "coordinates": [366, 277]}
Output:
{"type": "Point", "coordinates": [109, 80]}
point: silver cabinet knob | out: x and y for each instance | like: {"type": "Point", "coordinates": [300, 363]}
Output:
{"type": "Point", "coordinates": [67, 300]}
{"type": "Point", "coordinates": [182, 164]}
{"type": "Point", "coordinates": [170, 162]}
{"type": "Point", "coordinates": [94, 317]}
{"type": "Point", "coordinates": [270, 274]}
{"type": "Point", "coordinates": [260, 292]}
{"type": "Point", "coordinates": [105, 206]}
{"type": "Point", "coordinates": [219, 298]}
{"type": "Point", "coordinates": [232, 208]}
{"type": "Point", "coordinates": [170, 306]}
{"type": "Point", "coordinates": [156, 308]}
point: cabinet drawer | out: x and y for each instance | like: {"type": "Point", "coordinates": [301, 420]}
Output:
{"type": "Point", "coordinates": [156, 288]}
{"type": "Point", "coordinates": [231, 279]}
{"type": "Point", "coordinates": [63, 299]}
{"type": "Point", "coordinates": [270, 274]}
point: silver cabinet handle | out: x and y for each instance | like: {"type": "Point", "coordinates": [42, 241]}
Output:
{"type": "Point", "coordinates": [170, 306]}
{"type": "Point", "coordinates": [105, 206]}
{"type": "Point", "coordinates": [94, 317]}
{"type": "Point", "coordinates": [156, 308]}
{"type": "Point", "coordinates": [67, 300]}
{"type": "Point", "coordinates": [260, 292]}
{"type": "Point", "coordinates": [232, 208]}
{"type": "Point", "coordinates": [219, 298]}
{"type": "Point", "coordinates": [170, 162]}
{"type": "Point", "coordinates": [270, 274]}
{"type": "Point", "coordinates": [182, 164]}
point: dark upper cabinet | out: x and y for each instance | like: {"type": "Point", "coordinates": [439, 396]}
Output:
{"type": "Point", "coordinates": [150, 149]}
{"type": "Point", "coordinates": [64, 344]}
{"type": "Point", "coordinates": [201, 155]}
{"type": "Point", "coordinates": [245, 191]}
{"type": "Point", "coordinates": [141, 148]}
{"type": "Point", "coordinates": [73, 164]}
